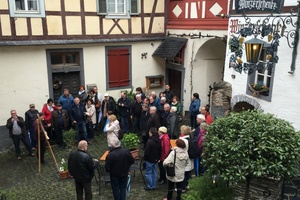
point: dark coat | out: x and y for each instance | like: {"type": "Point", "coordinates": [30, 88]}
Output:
{"type": "Point", "coordinates": [81, 166]}
{"type": "Point", "coordinates": [169, 95]}
{"type": "Point", "coordinates": [77, 113]}
{"type": "Point", "coordinates": [118, 161]}
{"type": "Point", "coordinates": [21, 123]}
{"type": "Point", "coordinates": [35, 129]}
{"type": "Point", "coordinates": [124, 110]}
{"type": "Point", "coordinates": [110, 106]}
{"type": "Point", "coordinates": [144, 120]}
{"type": "Point", "coordinates": [136, 109]}
{"type": "Point", "coordinates": [153, 121]}
{"type": "Point", "coordinates": [152, 150]}
{"type": "Point", "coordinates": [172, 125]}
{"type": "Point", "coordinates": [65, 118]}
{"type": "Point", "coordinates": [30, 117]}
{"type": "Point", "coordinates": [163, 118]}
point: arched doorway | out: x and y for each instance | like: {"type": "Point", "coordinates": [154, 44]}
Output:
{"type": "Point", "coordinates": [208, 67]}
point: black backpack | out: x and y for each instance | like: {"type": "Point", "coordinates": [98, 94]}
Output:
{"type": "Point", "coordinates": [120, 134]}
{"type": "Point", "coordinates": [193, 150]}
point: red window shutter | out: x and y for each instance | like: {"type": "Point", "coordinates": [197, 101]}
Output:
{"type": "Point", "coordinates": [118, 67]}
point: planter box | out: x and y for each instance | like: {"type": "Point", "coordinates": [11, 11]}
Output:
{"type": "Point", "coordinates": [260, 188]}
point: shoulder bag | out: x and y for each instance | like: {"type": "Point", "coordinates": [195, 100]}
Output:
{"type": "Point", "coordinates": [170, 169]}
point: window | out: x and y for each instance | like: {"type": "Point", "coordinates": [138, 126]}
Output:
{"type": "Point", "coordinates": [118, 8]}
{"type": "Point", "coordinates": [118, 67]}
{"type": "Point", "coordinates": [179, 58]}
{"type": "Point", "coordinates": [27, 8]}
{"type": "Point", "coordinates": [66, 58]}
{"type": "Point", "coordinates": [263, 76]}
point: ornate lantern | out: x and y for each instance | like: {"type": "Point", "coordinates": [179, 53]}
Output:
{"type": "Point", "coordinates": [253, 49]}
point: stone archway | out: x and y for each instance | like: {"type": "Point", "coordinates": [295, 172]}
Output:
{"type": "Point", "coordinates": [243, 102]}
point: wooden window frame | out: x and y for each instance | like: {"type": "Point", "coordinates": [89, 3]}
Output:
{"type": "Point", "coordinates": [128, 10]}
{"type": "Point", "coordinates": [40, 12]}
{"type": "Point", "coordinates": [108, 87]}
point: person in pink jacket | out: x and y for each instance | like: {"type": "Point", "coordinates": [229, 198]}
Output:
{"type": "Point", "coordinates": [47, 110]}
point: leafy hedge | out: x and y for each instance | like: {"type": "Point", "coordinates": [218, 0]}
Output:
{"type": "Point", "coordinates": [252, 144]}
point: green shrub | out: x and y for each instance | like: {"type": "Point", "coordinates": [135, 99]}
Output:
{"type": "Point", "coordinates": [130, 141]}
{"type": "Point", "coordinates": [69, 137]}
{"type": "Point", "coordinates": [203, 188]}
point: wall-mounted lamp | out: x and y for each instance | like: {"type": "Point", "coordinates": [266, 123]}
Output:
{"type": "Point", "coordinates": [253, 49]}
{"type": "Point", "coordinates": [144, 55]}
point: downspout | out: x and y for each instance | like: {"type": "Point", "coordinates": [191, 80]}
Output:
{"type": "Point", "coordinates": [296, 41]}
{"type": "Point", "coordinates": [192, 68]}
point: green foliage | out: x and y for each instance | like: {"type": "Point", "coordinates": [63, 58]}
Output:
{"type": "Point", "coordinates": [130, 141]}
{"type": "Point", "coordinates": [69, 137]}
{"type": "Point", "coordinates": [251, 144]}
{"type": "Point", "coordinates": [130, 94]}
{"type": "Point", "coordinates": [203, 188]}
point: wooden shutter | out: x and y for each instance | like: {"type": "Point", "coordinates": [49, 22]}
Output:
{"type": "Point", "coordinates": [102, 9]}
{"type": "Point", "coordinates": [134, 7]}
{"type": "Point", "coordinates": [118, 67]}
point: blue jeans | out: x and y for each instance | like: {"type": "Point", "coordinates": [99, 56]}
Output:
{"type": "Point", "coordinates": [125, 124]}
{"type": "Point", "coordinates": [81, 126]}
{"type": "Point", "coordinates": [118, 185]}
{"type": "Point", "coordinates": [136, 124]}
{"type": "Point", "coordinates": [32, 141]}
{"type": "Point", "coordinates": [196, 166]}
{"type": "Point", "coordinates": [151, 174]}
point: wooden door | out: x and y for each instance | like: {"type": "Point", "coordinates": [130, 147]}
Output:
{"type": "Point", "coordinates": [174, 78]}
{"type": "Point", "coordinates": [69, 80]}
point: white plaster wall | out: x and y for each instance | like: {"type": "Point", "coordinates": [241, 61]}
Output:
{"type": "Point", "coordinates": [203, 73]}
{"type": "Point", "coordinates": [286, 90]}
{"type": "Point", "coordinates": [24, 77]}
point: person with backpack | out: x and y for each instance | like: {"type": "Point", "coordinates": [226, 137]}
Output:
{"type": "Point", "coordinates": [185, 136]}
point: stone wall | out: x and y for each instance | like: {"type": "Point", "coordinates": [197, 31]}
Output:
{"type": "Point", "coordinates": [221, 99]}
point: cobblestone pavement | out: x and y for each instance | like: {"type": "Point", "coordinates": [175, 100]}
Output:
{"type": "Point", "coordinates": [20, 179]}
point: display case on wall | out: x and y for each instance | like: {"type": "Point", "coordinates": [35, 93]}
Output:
{"type": "Point", "coordinates": [154, 81]}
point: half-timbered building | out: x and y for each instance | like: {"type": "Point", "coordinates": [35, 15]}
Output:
{"type": "Point", "coordinates": [199, 58]}
{"type": "Point", "coordinates": [48, 45]}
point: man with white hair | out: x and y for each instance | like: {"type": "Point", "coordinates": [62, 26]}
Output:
{"type": "Point", "coordinates": [81, 167]}
{"type": "Point", "coordinates": [136, 111]}
{"type": "Point", "coordinates": [200, 118]}
{"type": "Point", "coordinates": [172, 123]}
{"type": "Point", "coordinates": [153, 121]}
{"type": "Point", "coordinates": [117, 164]}
{"type": "Point", "coordinates": [164, 114]}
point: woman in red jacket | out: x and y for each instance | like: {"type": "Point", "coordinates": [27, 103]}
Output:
{"type": "Point", "coordinates": [165, 150]}
{"type": "Point", "coordinates": [47, 110]}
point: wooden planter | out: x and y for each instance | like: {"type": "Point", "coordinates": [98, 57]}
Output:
{"type": "Point", "coordinates": [63, 174]}
{"type": "Point", "coordinates": [260, 188]}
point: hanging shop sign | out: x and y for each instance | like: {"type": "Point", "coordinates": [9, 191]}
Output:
{"type": "Point", "coordinates": [269, 6]}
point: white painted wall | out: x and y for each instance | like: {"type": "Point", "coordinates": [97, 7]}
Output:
{"type": "Point", "coordinates": [24, 77]}
{"type": "Point", "coordinates": [205, 64]}
{"type": "Point", "coordinates": [286, 90]}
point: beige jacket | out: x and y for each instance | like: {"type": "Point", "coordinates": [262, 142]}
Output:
{"type": "Point", "coordinates": [112, 129]}
{"type": "Point", "coordinates": [180, 163]}
{"type": "Point", "coordinates": [91, 113]}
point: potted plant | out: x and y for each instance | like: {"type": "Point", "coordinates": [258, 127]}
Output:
{"type": "Point", "coordinates": [251, 145]}
{"type": "Point", "coordinates": [258, 88]}
{"type": "Point", "coordinates": [63, 169]}
{"type": "Point", "coordinates": [131, 142]}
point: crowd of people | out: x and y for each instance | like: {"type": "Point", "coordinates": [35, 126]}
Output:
{"type": "Point", "coordinates": [154, 118]}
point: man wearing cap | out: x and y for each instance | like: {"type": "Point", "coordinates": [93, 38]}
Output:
{"type": "Point", "coordinates": [165, 150]}
{"type": "Point", "coordinates": [16, 126]}
{"type": "Point", "coordinates": [108, 105]}
{"type": "Point", "coordinates": [30, 117]}
{"type": "Point", "coordinates": [117, 164]}
{"type": "Point", "coordinates": [60, 122]}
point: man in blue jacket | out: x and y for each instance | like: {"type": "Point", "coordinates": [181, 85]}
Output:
{"type": "Point", "coordinates": [194, 109]}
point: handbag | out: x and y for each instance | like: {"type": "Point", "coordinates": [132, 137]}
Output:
{"type": "Point", "coordinates": [170, 169]}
